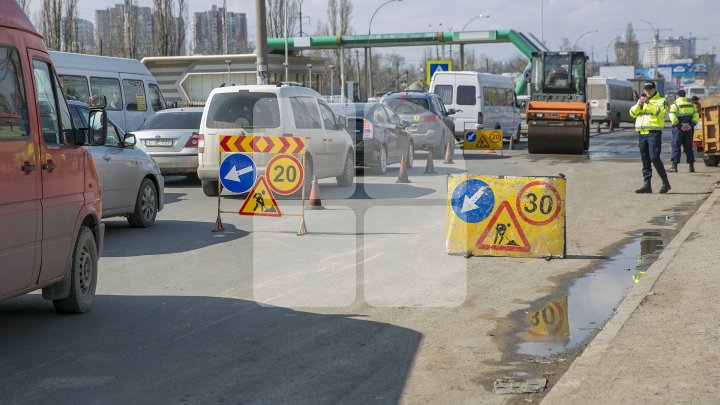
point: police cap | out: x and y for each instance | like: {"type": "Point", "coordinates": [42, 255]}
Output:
{"type": "Point", "coordinates": [681, 93]}
{"type": "Point", "coordinates": [648, 85]}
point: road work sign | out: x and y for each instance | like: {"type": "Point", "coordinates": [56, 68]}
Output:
{"type": "Point", "coordinates": [506, 216]}
{"type": "Point", "coordinates": [486, 139]}
{"type": "Point", "coordinates": [550, 323]}
{"type": "Point", "coordinates": [260, 201]}
{"type": "Point", "coordinates": [285, 174]}
{"type": "Point", "coordinates": [262, 144]}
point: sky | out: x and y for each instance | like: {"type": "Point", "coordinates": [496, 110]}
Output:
{"type": "Point", "coordinates": [572, 19]}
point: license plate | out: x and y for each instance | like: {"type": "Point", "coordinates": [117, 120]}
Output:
{"type": "Point", "coordinates": [158, 142]}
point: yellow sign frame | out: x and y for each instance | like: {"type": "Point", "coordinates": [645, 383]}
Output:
{"type": "Point", "coordinates": [506, 216]}
{"type": "Point", "coordinates": [483, 139]}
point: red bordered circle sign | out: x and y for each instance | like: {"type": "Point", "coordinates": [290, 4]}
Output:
{"type": "Point", "coordinates": [285, 174]}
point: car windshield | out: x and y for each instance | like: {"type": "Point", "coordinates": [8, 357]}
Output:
{"type": "Point", "coordinates": [243, 110]}
{"type": "Point", "coordinates": [174, 120]}
{"type": "Point", "coordinates": [412, 105]}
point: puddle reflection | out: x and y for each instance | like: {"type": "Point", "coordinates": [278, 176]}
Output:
{"type": "Point", "coordinates": [564, 321]}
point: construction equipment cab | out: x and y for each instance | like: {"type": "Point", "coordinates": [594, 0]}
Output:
{"type": "Point", "coordinates": [558, 113]}
{"type": "Point", "coordinates": [50, 208]}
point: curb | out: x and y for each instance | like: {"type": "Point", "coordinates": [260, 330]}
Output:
{"type": "Point", "coordinates": [586, 364]}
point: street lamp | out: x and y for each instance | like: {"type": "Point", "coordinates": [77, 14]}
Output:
{"type": "Point", "coordinates": [368, 51]}
{"type": "Point", "coordinates": [656, 39]}
{"type": "Point", "coordinates": [309, 66]}
{"type": "Point", "coordinates": [583, 34]}
{"type": "Point", "coordinates": [332, 76]}
{"type": "Point", "coordinates": [462, 46]}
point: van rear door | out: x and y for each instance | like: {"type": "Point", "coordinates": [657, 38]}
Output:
{"type": "Point", "coordinates": [136, 101]}
{"type": "Point", "coordinates": [62, 169]}
{"type": "Point", "coordinates": [19, 174]}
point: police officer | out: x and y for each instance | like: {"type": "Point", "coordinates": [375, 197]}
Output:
{"type": "Point", "coordinates": [683, 116]}
{"type": "Point", "coordinates": [649, 114]}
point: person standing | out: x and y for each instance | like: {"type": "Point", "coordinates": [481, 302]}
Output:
{"type": "Point", "coordinates": [683, 116]}
{"type": "Point", "coordinates": [649, 115]}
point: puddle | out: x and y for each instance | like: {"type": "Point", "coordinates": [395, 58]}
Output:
{"type": "Point", "coordinates": [563, 322]}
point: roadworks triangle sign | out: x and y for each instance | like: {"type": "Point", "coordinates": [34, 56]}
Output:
{"type": "Point", "coordinates": [482, 142]}
{"type": "Point", "coordinates": [504, 232]}
{"type": "Point", "coordinates": [261, 201]}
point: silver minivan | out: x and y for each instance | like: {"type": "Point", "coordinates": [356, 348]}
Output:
{"type": "Point", "coordinates": [272, 110]}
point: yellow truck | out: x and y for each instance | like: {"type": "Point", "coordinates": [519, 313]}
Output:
{"type": "Point", "coordinates": [710, 117]}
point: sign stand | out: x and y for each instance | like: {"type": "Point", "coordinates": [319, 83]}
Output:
{"type": "Point", "coordinates": [249, 144]}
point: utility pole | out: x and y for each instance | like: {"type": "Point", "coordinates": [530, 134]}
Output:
{"type": "Point", "coordinates": [397, 70]}
{"type": "Point", "coordinates": [300, 2]}
{"type": "Point", "coordinates": [261, 39]}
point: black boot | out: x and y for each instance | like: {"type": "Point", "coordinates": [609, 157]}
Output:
{"type": "Point", "coordinates": [646, 188]}
{"type": "Point", "coordinates": [692, 167]}
{"type": "Point", "coordinates": [673, 168]}
{"type": "Point", "coordinates": [665, 187]}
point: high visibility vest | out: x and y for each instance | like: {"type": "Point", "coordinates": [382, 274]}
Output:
{"type": "Point", "coordinates": [683, 112]}
{"type": "Point", "coordinates": [651, 116]}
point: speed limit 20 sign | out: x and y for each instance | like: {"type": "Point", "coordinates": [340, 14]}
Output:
{"type": "Point", "coordinates": [285, 174]}
{"type": "Point", "coordinates": [506, 216]}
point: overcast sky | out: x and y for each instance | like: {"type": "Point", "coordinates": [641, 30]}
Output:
{"type": "Point", "coordinates": [562, 19]}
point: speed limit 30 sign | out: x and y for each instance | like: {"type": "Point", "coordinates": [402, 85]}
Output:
{"type": "Point", "coordinates": [285, 174]}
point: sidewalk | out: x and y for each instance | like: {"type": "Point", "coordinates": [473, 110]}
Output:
{"type": "Point", "coordinates": [663, 343]}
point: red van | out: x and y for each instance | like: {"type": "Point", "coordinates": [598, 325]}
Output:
{"type": "Point", "coordinates": [50, 215]}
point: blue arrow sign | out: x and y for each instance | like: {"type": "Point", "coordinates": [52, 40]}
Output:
{"type": "Point", "coordinates": [238, 173]}
{"type": "Point", "coordinates": [471, 136]}
{"type": "Point", "coordinates": [473, 201]}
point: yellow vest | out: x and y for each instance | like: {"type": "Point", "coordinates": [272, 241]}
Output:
{"type": "Point", "coordinates": [684, 112]}
{"type": "Point", "coordinates": [651, 116]}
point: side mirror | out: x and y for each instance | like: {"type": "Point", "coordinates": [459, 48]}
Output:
{"type": "Point", "coordinates": [97, 102]}
{"type": "Point", "coordinates": [97, 133]}
{"type": "Point", "coordinates": [404, 124]}
{"type": "Point", "coordinates": [342, 121]}
{"type": "Point", "coordinates": [451, 111]}
{"type": "Point", "coordinates": [129, 140]}
{"type": "Point", "coordinates": [74, 137]}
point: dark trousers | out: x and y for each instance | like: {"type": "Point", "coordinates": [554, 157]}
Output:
{"type": "Point", "coordinates": [684, 139]}
{"type": "Point", "coordinates": [650, 145]}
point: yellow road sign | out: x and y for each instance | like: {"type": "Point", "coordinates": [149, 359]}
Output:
{"type": "Point", "coordinates": [285, 174]}
{"type": "Point", "coordinates": [506, 216]}
{"type": "Point", "coordinates": [260, 201]}
{"type": "Point", "coordinates": [483, 139]}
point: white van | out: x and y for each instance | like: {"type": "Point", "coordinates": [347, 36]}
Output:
{"type": "Point", "coordinates": [275, 110]}
{"type": "Point", "coordinates": [482, 101]}
{"type": "Point", "coordinates": [126, 84]}
{"type": "Point", "coordinates": [697, 91]}
{"type": "Point", "coordinates": [610, 100]}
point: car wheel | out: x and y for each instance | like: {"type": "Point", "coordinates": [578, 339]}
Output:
{"type": "Point", "coordinates": [410, 157]}
{"type": "Point", "coordinates": [145, 206]}
{"type": "Point", "coordinates": [615, 123]}
{"type": "Point", "coordinates": [83, 276]}
{"type": "Point", "coordinates": [348, 175]}
{"type": "Point", "coordinates": [210, 188]}
{"type": "Point", "coordinates": [381, 167]}
{"type": "Point", "coordinates": [516, 138]}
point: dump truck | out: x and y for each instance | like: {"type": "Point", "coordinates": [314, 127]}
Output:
{"type": "Point", "coordinates": [710, 117]}
{"type": "Point", "coordinates": [558, 114]}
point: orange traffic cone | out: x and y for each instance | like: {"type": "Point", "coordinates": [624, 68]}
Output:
{"type": "Point", "coordinates": [403, 177]}
{"type": "Point", "coordinates": [449, 153]}
{"type": "Point", "coordinates": [512, 144]}
{"type": "Point", "coordinates": [314, 202]}
{"type": "Point", "coordinates": [430, 166]}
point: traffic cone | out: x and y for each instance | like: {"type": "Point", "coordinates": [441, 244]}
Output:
{"type": "Point", "coordinates": [512, 144]}
{"type": "Point", "coordinates": [314, 202]}
{"type": "Point", "coordinates": [449, 154]}
{"type": "Point", "coordinates": [430, 166]}
{"type": "Point", "coordinates": [403, 177]}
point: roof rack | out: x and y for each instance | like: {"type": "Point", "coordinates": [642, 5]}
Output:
{"type": "Point", "coordinates": [296, 84]}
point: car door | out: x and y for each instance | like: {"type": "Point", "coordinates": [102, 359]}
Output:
{"type": "Point", "coordinates": [400, 136]}
{"type": "Point", "coordinates": [114, 168]}
{"type": "Point", "coordinates": [447, 120]}
{"type": "Point", "coordinates": [336, 144]}
{"type": "Point", "coordinates": [382, 121]}
{"type": "Point", "coordinates": [61, 169]}
{"type": "Point", "coordinates": [20, 210]}
{"type": "Point", "coordinates": [309, 124]}
{"type": "Point", "coordinates": [136, 101]}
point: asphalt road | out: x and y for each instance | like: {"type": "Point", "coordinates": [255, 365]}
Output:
{"type": "Point", "coordinates": [365, 308]}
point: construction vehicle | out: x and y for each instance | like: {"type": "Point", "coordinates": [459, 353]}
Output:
{"type": "Point", "coordinates": [710, 117]}
{"type": "Point", "coordinates": [558, 114]}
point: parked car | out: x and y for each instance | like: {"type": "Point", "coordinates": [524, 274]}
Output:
{"type": "Point", "coordinates": [380, 135]}
{"type": "Point", "coordinates": [170, 137]}
{"type": "Point", "coordinates": [51, 232]}
{"type": "Point", "coordinates": [431, 125]}
{"type": "Point", "coordinates": [272, 110]}
{"type": "Point", "coordinates": [130, 180]}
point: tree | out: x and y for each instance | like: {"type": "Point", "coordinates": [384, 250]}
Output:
{"type": "Point", "coordinates": [50, 23]}
{"type": "Point", "coordinates": [70, 40]}
{"type": "Point", "coordinates": [181, 27]}
{"type": "Point", "coordinates": [565, 45]}
{"type": "Point", "coordinates": [25, 5]}
{"type": "Point", "coordinates": [276, 18]}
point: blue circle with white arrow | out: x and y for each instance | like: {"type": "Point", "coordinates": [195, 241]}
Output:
{"type": "Point", "coordinates": [238, 173]}
{"type": "Point", "coordinates": [473, 201]}
{"type": "Point", "coordinates": [471, 136]}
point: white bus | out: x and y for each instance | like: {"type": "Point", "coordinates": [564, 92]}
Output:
{"type": "Point", "coordinates": [482, 101]}
{"type": "Point", "coordinates": [131, 91]}
{"type": "Point", "coordinates": [610, 100]}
